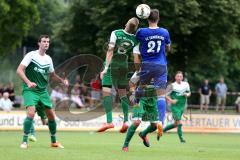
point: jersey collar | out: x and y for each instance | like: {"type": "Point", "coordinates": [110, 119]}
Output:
{"type": "Point", "coordinates": [153, 27]}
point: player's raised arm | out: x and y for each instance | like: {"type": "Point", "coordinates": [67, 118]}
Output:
{"type": "Point", "coordinates": [109, 53]}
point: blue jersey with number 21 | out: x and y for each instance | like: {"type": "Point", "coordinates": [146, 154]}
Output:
{"type": "Point", "coordinates": [152, 44]}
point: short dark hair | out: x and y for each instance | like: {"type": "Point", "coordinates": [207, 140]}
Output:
{"type": "Point", "coordinates": [179, 72]}
{"type": "Point", "coordinates": [43, 36]}
{"type": "Point", "coordinates": [154, 16]}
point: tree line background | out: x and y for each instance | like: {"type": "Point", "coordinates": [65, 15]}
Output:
{"type": "Point", "coordinates": [205, 34]}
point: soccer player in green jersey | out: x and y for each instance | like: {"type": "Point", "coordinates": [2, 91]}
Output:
{"type": "Point", "coordinates": [121, 46]}
{"type": "Point", "coordinates": [145, 110]}
{"type": "Point", "coordinates": [35, 70]}
{"type": "Point", "coordinates": [177, 94]}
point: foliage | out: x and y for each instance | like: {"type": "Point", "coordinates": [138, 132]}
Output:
{"type": "Point", "coordinates": [16, 19]}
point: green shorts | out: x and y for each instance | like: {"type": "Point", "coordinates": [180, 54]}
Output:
{"type": "Point", "coordinates": [146, 110]}
{"type": "Point", "coordinates": [116, 76]}
{"type": "Point", "coordinates": [34, 98]}
{"type": "Point", "coordinates": [177, 111]}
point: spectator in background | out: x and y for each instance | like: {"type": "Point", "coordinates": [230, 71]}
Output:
{"type": "Point", "coordinates": [5, 102]}
{"type": "Point", "coordinates": [205, 93]}
{"type": "Point", "coordinates": [96, 88]}
{"type": "Point", "coordinates": [78, 79]}
{"type": "Point", "coordinates": [221, 93]}
{"type": "Point", "coordinates": [75, 95]}
{"type": "Point", "coordinates": [85, 96]}
{"type": "Point", "coordinates": [237, 104]}
{"type": "Point", "coordinates": [10, 90]}
{"type": "Point", "coordinates": [56, 95]}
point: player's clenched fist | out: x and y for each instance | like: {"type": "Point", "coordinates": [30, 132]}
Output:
{"type": "Point", "coordinates": [31, 85]}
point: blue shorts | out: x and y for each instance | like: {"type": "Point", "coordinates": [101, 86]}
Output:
{"type": "Point", "coordinates": [155, 72]}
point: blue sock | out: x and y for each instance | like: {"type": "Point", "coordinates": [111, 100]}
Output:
{"type": "Point", "coordinates": [161, 105]}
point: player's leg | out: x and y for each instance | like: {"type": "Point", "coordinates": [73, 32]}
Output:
{"type": "Point", "coordinates": [125, 105]}
{"type": "Point", "coordinates": [160, 83]}
{"type": "Point", "coordinates": [32, 136]}
{"type": "Point", "coordinates": [119, 70]}
{"type": "Point", "coordinates": [151, 114]}
{"type": "Point", "coordinates": [174, 110]}
{"type": "Point", "coordinates": [30, 100]}
{"type": "Point", "coordinates": [27, 124]}
{"type": "Point", "coordinates": [177, 116]}
{"type": "Point", "coordinates": [52, 125]}
{"type": "Point", "coordinates": [108, 105]}
{"type": "Point", "coordinates": [107, 100]}
{"type": "Point", "coordinates": [179, 131]}
{"type": "Point", "coordinates": [137, 113]}
{"type": "Point", "coordinates": [130, 132]}
{"type": "Point", "coordinates": [151, 128]}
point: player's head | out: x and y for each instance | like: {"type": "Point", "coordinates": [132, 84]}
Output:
{"type": "Point", "coordinates": [154, 16]}
{"type": "Point", "coordinates": [221, 80]}
{"type": "Point", "coordinates": [132, 25]}
{"type": "Point", "coordinates": [5, 95]}
{"type": "Point", "coordinates": [206, 81]}
{"type": "Point", "coordinates": [43, 42]}
{"type": "Point", "coordinates": [179, 76]}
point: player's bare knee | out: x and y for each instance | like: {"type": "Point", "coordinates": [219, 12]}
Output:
{"type": "Point", "coordinates": [178, 122]}
{"type": "Point", "coordinates": [106, 91]}
{"type": "Point", "coordinates": [50, 114]}
{"type": "Point", "coordinates": [136, 123]}
{"type": "Point", "coordinates": [31, 112]}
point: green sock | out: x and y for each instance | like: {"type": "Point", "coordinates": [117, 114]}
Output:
{"type": "Point", "coordinates": [149, 129]}
{"type": "Point", "coordinates": [107, 103]}
{"type": "Point", "coordinates": [32, 130]}
{"type": "Point", "coordinates": [52, 125]}
{"type": "Point", "coordinates": [130, 133]}
{"type": "Point", "coordinates": [26, 128]}
{"type": "Point", "coordinates": [125, 106]}
{"type": "Point", "coordinates": [179, 131]}
{"type": "Point", "coordinates": [168, 127]}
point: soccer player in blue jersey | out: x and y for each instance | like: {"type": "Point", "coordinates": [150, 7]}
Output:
{"type": "Point", "coordinates": [153, 41]}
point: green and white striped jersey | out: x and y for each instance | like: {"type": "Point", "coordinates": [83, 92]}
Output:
{"type": "Point", "coordinates": [176, 91]}
{"type": "Point", "coordinates": [37, 69]}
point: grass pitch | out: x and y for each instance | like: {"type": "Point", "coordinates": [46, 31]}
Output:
{"type": "Point", "coordinates": [107, 146]}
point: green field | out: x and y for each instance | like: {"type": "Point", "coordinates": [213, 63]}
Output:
{"type": "Point", "coordinates": [107, 146]}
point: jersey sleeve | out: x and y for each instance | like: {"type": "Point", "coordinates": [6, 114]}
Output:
{"type": "Point", "coordinates": [112, 40]}
{"type": "Point", "coordinates": [27, 59]}
{"type": "Point", "coordinates": [136, 49]}
{"type": "Point", "coordinates": [188, 88]}
{"type": "Point", "coordinates": [51, 68]}
{"type": "Point", "coordinates": [168, 40]}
